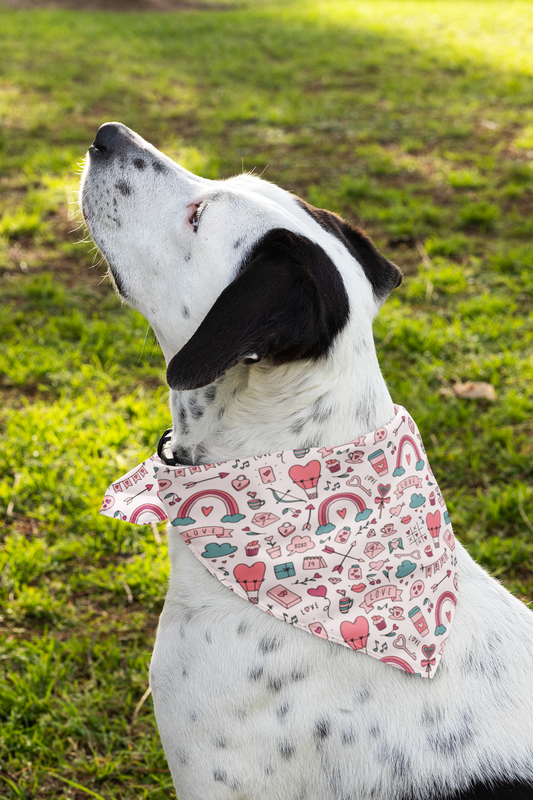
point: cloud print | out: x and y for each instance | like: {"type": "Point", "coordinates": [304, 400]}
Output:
{"type": "Point", "coordinates": [183, 521]}
{"type": "Point", "coordinates": [324, 529]}
{"type": "Point", "coordinates": [299, 544]}
{"type": "Point", "coordinates": [214, 550]}
{"type": "Point", "coordinates": [417, 500]}
{"type": "Point", "coordinates": [405, 569]}
{"type": "Point", "coordinates": [232, 518]}
{"type": "Point", "coordinates": [439, 630]}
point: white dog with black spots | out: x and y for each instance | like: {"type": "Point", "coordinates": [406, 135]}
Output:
{"type": "Point", "coordinates": [263, 307]}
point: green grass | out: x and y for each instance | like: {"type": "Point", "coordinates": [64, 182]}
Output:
{"type": "Point", "coordinates": [410, 117]}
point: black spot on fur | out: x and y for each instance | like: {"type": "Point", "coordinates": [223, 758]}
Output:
{"type": "Point", "coordinates": [196, 409]}
{"type": "Point", "coordinates": [398, 762]}
{"type": "Point", "coordinates": [242, 628]}
{"type": "Point", "coordinates": [298, 427]}
{"type": "Point", "coordinates": [298, 675]}
{"type": "Point", "coordinates": [286, 749]}
{"type": "Point", "coordinates": [255, 673]}
{"type": "Point", "coordinates": [383, 275]}
{"type": "Point", "coordinates": [187, 257]}
{"type": "Point", "coordinates": [182, 757]}
{"type": "Point", "coordinates": [182, 417]}
{"type": "Point", "coordinates": [185, 672]}
{"type": "Point", "coordinates": [210, 394]}
{"type": "Point", "coordinates": [374, 731]}
{"type": "Point", "coordinates": [220, 775]}
{"type": "Point", "coordinates": [269, 770]}
{"type": "Point", "coordinates": [363, 695]}
{"type": "Point", "coordinates": [221, 743]}
{"type": "Point", "coordinates": [348, 736]}
{"type": "Point", "coordinates": [275, 684]}
{"type": "Point", "coordinates": [124, 187]}
{"type": "Point", "coordinates": [193, 716]}
{"type": "Point", "coordinates": [269, 644]}
{"type": "Point", "coordinates": [139, 163]}
{"type": "Point", "coordinates": [321, 730]}
{"type": "Point", "coordinates": [282, 711]}
{"type": "Point", "coordinates": [291, 303]}
{"type": "Point", "coordinates": [185, 312]}
{"type": "Point", "coordinates": [432, 717]}
{"type": "Point", "coordinates": [484, 664]}
{"type": "Point", "coordinates": [159, 167]}
{"type": "Point", "coordinates": [320, 412]}
{"type": "Point", "coordinates": [449, 744]}
{"type": "Point", "coordinates": [237, 244]}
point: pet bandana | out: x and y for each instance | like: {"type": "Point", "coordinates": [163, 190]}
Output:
{"type": "Point", "coordinates": [351, 543]}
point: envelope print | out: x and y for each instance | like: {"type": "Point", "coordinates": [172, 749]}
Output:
{"type": "Point", "coordinates": [262, 520]}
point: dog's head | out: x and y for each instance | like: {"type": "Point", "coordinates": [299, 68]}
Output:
{"type": "Point", "coordinates": [226, 272]}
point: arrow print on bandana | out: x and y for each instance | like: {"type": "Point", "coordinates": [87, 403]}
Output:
{"type": "Point", "coordinates": [147, 488]}
{"type": "Point", "coordinates": [211, 478]}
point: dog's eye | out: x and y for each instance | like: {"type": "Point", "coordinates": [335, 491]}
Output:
{"type": "Point", "coordinates": [195, 219]}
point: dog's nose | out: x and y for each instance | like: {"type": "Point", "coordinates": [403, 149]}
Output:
{"type": "Point", "coordinates": [109, 137]}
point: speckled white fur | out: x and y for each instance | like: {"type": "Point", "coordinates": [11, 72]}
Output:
{"type": "Point", "coordinates": [249, 708]}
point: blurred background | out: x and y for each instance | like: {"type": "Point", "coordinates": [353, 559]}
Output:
{"type": "Point", "coordinates": [411, 118]}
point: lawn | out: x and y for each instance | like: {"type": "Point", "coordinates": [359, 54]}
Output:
{"type": "Point", "coordinates": [412, 118]}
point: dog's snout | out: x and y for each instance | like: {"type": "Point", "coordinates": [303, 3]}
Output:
{"type": "Point", "coordinates": [109, 137]}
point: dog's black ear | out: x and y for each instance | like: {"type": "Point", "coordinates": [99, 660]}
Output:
{"type": "Point", "coordinates": [287, 302]}
{"type": "Point", "coordinates": [384, 276]}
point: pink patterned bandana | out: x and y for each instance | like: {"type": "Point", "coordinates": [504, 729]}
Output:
{"type": "Point", "coordinates": [350, 543]}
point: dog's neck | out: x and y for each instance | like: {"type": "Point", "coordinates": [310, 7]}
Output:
{"type": "Point", "coordinates": [264, 408]}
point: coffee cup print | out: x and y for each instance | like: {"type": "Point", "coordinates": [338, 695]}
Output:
{"type": "Point", "coordinates": [379, 462]}
{"type": "Point", "coordinates": [345, 604]}
{"type": "Point", "coordinates": [417, 618]}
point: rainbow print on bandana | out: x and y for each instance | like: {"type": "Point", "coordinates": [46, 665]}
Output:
{"type": "Point", "coordinates": [399, 471]}
{"type": "Point", "coordinates": [232, 509]}
{"type": "Point", "coordinates": [440, 627]}
{"type": "Point", "coordinates": [324, 524]}
{"type": "Point", "coordinates": [147, 508]}
{"type": "Point", "coordinates": [398, 662]}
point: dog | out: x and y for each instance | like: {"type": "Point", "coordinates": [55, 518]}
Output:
{"type": "Point", "coordinates": [263, 307]}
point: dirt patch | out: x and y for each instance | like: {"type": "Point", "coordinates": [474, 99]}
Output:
{"type": "Point", "coordinates": [119, 5]}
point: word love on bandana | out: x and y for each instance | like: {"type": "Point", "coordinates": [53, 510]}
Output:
{"type": "Point", "coordinates": [351, 543]}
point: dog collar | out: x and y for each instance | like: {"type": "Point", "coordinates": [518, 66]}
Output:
{"type": "Point", "coordinates": [351, 543]}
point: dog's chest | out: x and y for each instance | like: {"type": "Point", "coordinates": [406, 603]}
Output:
{"type": "Point", "coordinates": [242, 696]}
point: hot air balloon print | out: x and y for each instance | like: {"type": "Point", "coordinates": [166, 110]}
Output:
{"type": "Point", "coordinates": [306, 477]}
{"type": "Point", "coordinates": [433, 522]}
{"type": "Point", "coordinates": [250, 578]}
